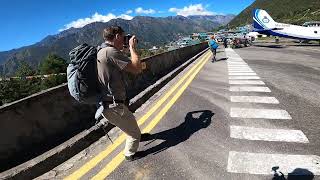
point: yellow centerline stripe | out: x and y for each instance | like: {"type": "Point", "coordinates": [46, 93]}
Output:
{"type": "Point", "coordinates": [94, 161]}
{"type": "Point", "coordinates": [115, 162]}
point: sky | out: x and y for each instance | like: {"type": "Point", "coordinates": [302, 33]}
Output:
{"type": "Point", "coordinates": [25, 22]}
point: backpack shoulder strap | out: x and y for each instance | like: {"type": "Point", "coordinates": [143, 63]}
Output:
{"type": "Point", "coordinates": [102, 54]}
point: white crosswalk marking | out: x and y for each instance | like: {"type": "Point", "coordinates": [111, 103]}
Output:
{"type": "Point", "coordinates": [253, 82]}
{"type": "Point", "coordinates": [254, 99]}
{"type": "Point", "coordinates": [235, 57]}
{"type": "Point", "coordinates": [259, 163]}
{"type": "Point", "coordinates": [263, 134]}
{"type": "Point", "coordinates": [237, 70]}
{"type": "Point", "coordinates": [240, 69]}
{"type": "Point", "coordinates": [235, 60]}
{"type": "Point", "coordinates": [238, 66]}
{"type": "Point", "coordinates": [242, 74]}
{"type": "Point", "coordinates": [237, 63]}
{"type": "Point", "coordinates": [249, 89]}
{"type": "Point", "coordinates": [244, 77]}
{"type": "Point", "coordinates": [259, 113]}
{"type": "Point", "coordinates": [243, 67]}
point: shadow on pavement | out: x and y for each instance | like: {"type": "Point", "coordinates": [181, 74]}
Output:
{"type": "Point", "coordinates": [306, 45]}
{"type": "Point", "coordinates": [278, 46]}
{"type": "Point", "coordinates": [297, 174]}
{"type": "Point", "coordinates": [222, 59]}
{"type": "Point", "coordinates": [194, 121]}
{"type": "Point", "coordinates": [271, 46]}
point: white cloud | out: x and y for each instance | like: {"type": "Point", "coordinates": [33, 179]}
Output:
{"type": "Point", "coordinates": [94, 18]}
{"type": "Point", "coordinates": [129, 11]}
{"type": "Point", "coordinates": [140, 10]}
{"type": "Point", "coordinates": [196, 9]}
{"type": "Point", "coordinates": [125, 16]}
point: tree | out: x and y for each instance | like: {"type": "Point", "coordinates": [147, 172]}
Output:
{"type": "Point", "coordinates": [15, 89]}
{"type": "Point", "coordinates": [145, 53]}
{"type": "Point", "coordinates": [53, 81]}
{"type": "Point", "coordinates": [24, 70]}
{"type": "Point", "coordinates": [53, 64]}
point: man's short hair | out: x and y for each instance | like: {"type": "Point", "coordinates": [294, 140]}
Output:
{"type": "Point", "coordinates": [110, 32]}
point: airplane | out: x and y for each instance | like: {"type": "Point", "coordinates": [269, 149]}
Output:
{"type": "Point", "coordinates": [264, 24]}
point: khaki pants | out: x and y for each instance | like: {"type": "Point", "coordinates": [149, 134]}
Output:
{"type": "Point", "coordinates": [123, 118]}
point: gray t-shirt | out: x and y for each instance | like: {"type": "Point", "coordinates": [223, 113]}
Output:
{"type": "Point", "coordinates": [110, 65]}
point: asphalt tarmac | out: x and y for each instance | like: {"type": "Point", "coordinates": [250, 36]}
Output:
{"type": "Point", "coordinates": [253, 114]}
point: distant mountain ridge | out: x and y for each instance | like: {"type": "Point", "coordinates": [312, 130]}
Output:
{"type": "Point", "coordinates": [284, 11]}
{"type": "Point", "coordinates": [150, 31]}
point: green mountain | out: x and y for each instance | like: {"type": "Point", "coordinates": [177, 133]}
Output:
{"type": "Point", "coordinates": [151, 31]}
{"type": "Point", "coordinates": [284, 11]}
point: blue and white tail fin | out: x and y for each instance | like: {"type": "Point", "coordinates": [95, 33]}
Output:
{"type": "Point", "coordinates": [262, 20]}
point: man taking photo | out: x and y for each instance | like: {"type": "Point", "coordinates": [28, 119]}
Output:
{"type": "Point", "coordinates": [111, 65]}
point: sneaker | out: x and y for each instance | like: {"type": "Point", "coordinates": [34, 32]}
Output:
{"type": "Point", "coordinates": [133, 157]}
{"type": "Point", "coordinates": [129, 158]}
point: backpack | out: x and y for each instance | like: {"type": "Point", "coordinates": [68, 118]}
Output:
{"type": "Point", "coordinates": [82, 75]}
{"type": "Point", "coordinates": [213, 44]}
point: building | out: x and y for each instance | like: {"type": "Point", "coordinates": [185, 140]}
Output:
{"type": "Point", "coordinates": [154, 48]}
{"type": "Point", "coordinates": [200, 36]}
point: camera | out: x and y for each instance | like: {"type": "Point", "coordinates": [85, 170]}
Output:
{"type": "Point", "coordinates": [126, 40]}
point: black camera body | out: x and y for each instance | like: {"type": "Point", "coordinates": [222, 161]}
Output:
{"type": "Point", "coordinates": [126, 40]}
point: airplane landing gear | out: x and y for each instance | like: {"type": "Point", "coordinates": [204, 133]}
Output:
{"type": "Point", "coordinates": [277, 40]}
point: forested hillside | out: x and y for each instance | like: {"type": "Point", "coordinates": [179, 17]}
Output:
{"type": "Point", "coordinates": [285, 11]}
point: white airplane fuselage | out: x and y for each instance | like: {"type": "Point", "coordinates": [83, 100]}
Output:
{"type": "Point", "coordinates": [264, 24]}
{"type": "Point", "coordinates": [297, 32]}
